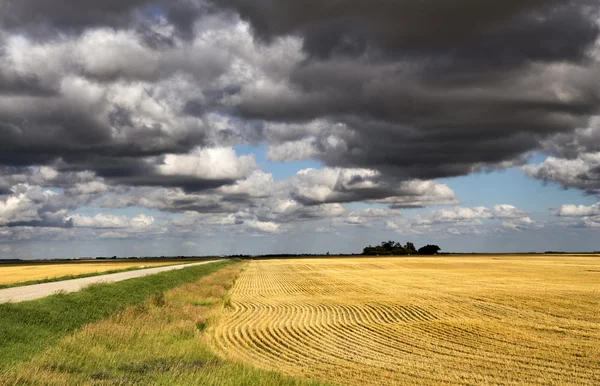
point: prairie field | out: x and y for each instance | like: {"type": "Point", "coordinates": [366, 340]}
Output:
{"type": "Point", "coordinates": [158, 341]}
{"type": "Point", "coordinates": [480, 320]}
{"type": "Point", "coordinates": [24, 272]}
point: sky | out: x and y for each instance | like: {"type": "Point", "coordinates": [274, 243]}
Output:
{"type": "Point", "coordinates": [203, 127]}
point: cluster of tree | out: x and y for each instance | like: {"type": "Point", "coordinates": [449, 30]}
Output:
{"type": "Point", "coordinates": [395, 248]}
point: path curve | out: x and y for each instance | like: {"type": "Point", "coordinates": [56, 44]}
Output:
{"type": "Point", "coordinates": [37, 291]}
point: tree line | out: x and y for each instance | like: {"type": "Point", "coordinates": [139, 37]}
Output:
{"type": "Point", "coordinates": [395, 248]}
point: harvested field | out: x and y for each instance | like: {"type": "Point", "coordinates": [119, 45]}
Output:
{"type": "Point", "coordinates": [511, 320]}
{"type": "Point", "coordinates": [161, 341]}
{"type": "Point", "coordinates": [22, 272]}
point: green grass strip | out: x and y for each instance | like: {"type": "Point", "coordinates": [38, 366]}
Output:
{"type": "Point", "coordinates": [27, 328]}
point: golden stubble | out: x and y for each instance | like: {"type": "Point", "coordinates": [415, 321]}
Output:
{"type": "Point", "coordinates": [484, 320]}
{"type": "Point", "coordinates": [17, 273]}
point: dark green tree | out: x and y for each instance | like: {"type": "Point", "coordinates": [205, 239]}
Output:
{"type": "Point", "coordinates": [410, 248]}
{"type": "Point", "coordinates": [386, 248]}
{"type": "Point", "coordinates": [429, 250]}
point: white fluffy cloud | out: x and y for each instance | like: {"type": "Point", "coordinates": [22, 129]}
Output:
{"type": "Point", "coordinates": [17, 207]}
{"type": "Point", "coordinates": [92, 187]}
{"type": "Point", "coordinates": [521, 223]}
{"type": "Point", "coordinates": [458, 214]}
{"type": "Point", "coordinates": [462, 220]}
{"type": "Point", "coordinates": [580, 216]}
{"type": "Point", "coordinates": [314, 186]}
{"type": "Point", "coordinates": [106, 221]}
{"type": "Point", "coordinates": [367, 217]}
{"type": "Point", "coordinates": [254, 204]}
{"type": "Point", "coordinates": [107, 54]}
{"type": "Point", "coordinates": [263, 226]}
{"type": "Point", "coordinates": [32, 205]}
{"type": "Point", "coordinates": [292, 151]}
{"type": "Point", "coordinates": [581, 172]}
{"type": "Point", "coordinates": [209, 164]}
{"type": "Point", "coordinates": [571, 210]}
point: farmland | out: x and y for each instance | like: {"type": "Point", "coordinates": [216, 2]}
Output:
{"type": "Point", "coordinates": [512, 320]}
{"type": "Point", "coordinates": [89, 338]}
{"type": "Point", "coordinates": [39, 270]}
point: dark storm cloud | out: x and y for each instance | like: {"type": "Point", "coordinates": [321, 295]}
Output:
{"type": "Point", "coordinates": [154, 39]}
{"type": "Point", "coordinates": [211, 102]}
{"type": "Point", "coordinates": [120, 117]}
{"type": "Point", "coordinates": [432, 88]}
{"type": "Point", "coordinates": [193, 205]}
{"type": "Point", "coordinates": [132, 171]}
{"type": "Point", "coordinates": [431, 154]}
{"type": "Point", "coordinates": [542, 34]}
{"type": "Point", "coordinates": [183, 14]}
{"type": "Point", "coordinates": [411, 19]}
{"type": "Point", "coordinates": [412, 89]}
{"type": "Point", "coordinates": [23, 84]}
{"type": "Point", "coordinates": [173, 200]}
{"type": "Point", "coordinates": [42, 18]}
{"type": "Point", "coordinates": [429, 127]}
{"type": "Point", "coordinates": [62, 223]}
{"type": "Point", "coordinates": [66, 13]}
{"type": "Point", "coordinates": [102, 101]}
{"type": "Point", "coordinates": [188, 184]}
{"type": "Point", "coordinates": [349, 26]}
{"type": "Point", "coordinates": [549, 34]}
{"type": "Point", "coordinates": [75, 136]}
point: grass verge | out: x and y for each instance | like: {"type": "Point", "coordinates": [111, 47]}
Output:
{"type": "Point", "coordinates": [162, 341]}
{"type": "Point", "coordinates": [29, 327]}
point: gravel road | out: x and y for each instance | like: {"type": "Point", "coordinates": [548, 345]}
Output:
{"type": "Point", "coordinates": [36, 291]}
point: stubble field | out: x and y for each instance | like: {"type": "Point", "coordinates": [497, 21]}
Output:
{"type": "Point", "coordinates": [38, 270]}
{"type": "Point", "coordinates": [511, 320]}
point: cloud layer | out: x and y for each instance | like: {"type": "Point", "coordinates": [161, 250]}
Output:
{"type": "Point", "coordinates": [140, 107]}
{"type": "Point", "coordinates": [424, 91]}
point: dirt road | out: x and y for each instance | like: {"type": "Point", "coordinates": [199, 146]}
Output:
{"type": "Point", "coordinates": [36, 291]}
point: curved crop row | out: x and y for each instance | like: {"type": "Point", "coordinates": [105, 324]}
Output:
{"type": "Point", "coordinates": [414, 321]}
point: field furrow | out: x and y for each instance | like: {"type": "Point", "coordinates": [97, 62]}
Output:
{"type": "Point", "coordinates": [437, 321]}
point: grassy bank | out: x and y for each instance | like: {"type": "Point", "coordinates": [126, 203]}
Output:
{"type": "Point", "coordinates": [30, 327]}
{"type": "Point", "coordinates": [162, 341]}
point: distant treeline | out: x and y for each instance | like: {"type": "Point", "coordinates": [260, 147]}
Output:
{"type": "Point", "coordinates": [386, 248]}
{"type": "Point", "coordinates": [394, 248]}
{"type": "Point", "coordinates": [147, 257]}
{"type": "Point", "coordinates": [570, 253]}
{"type": "Point", "coordinates": [298, 255]}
